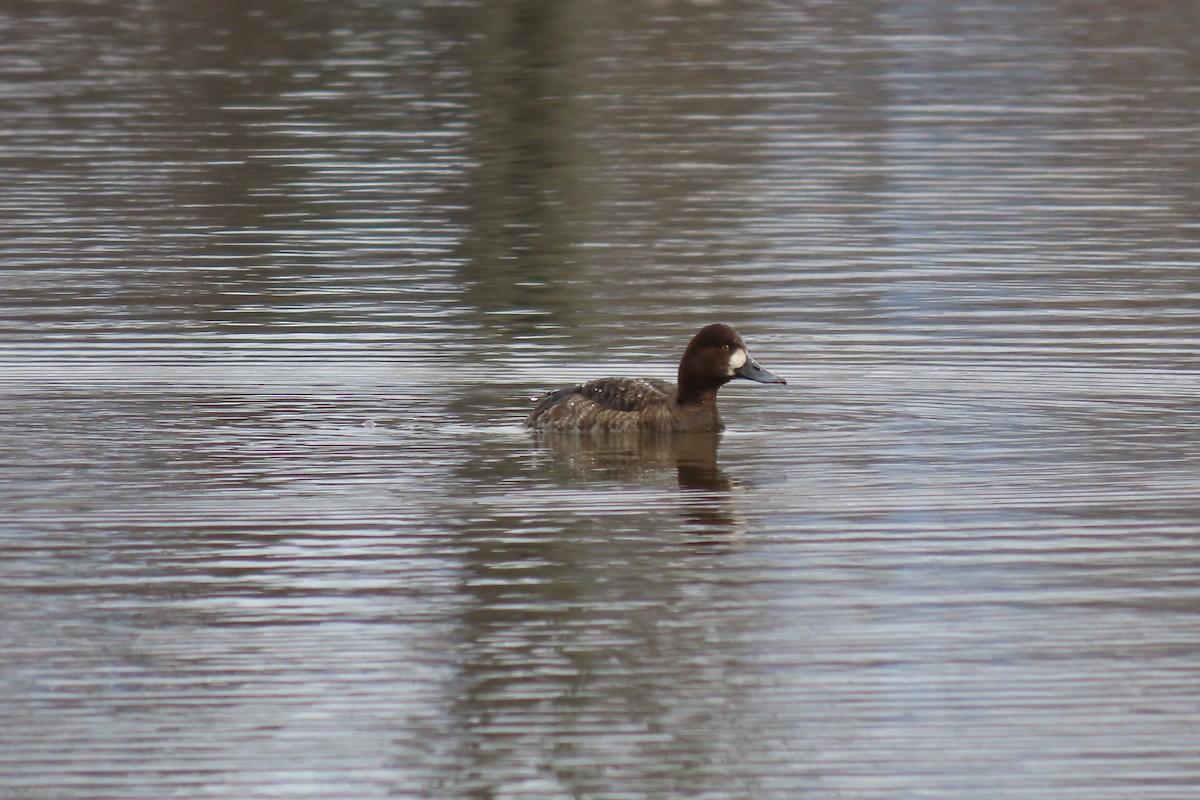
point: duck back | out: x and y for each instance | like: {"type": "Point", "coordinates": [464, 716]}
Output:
{"type": "Point", "coordinates": [610, 404]}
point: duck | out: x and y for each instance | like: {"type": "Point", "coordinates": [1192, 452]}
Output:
{"type": "Point", "coordinates": [714, 356]}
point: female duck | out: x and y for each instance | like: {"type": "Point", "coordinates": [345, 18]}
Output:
{"type": "Point", "coordinates": [715, 356]}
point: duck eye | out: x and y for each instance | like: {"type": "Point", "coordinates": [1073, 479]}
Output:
{"type": "Point", "coordinates": [725, 347]}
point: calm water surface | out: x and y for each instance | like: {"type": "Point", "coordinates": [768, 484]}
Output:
{"type": "Point", "coordinates": [278, 283]}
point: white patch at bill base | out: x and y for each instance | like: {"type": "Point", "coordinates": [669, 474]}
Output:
{"type": "Point", "coordinates": [737, 360]}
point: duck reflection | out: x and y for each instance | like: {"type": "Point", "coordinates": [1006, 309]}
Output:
{"type": "Point", "coordinates": [600, 620]}
{"type": "Point", "coordinates": [640, 456]}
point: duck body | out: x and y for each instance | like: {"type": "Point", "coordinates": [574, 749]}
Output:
{"type": "Point", "coordinates": [622, 404]}
{"type": "Point", "coordinates": [714, 356]}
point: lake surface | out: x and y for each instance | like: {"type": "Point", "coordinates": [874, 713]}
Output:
{"type": "Point", "coordinates": [278, 281]}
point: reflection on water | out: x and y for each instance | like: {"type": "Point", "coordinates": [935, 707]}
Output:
{"type": "Point", "coordinates": [631, 455]}
{"type": "Point", "coordinates": [278, 283]}
{"type": "Point", "coordinates": [580, 664]}
{"type": "Point", "coordinates": [594, 460]}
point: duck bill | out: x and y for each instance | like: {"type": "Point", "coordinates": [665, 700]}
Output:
{"type": "Point", "coordinates": [753, 371]}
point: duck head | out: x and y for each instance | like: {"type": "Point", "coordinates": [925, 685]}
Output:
{"type": "Point", "coordinates": [715, 356]}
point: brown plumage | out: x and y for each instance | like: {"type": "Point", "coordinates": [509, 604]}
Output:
{"type": "Point", "coordinates": [714, 356]}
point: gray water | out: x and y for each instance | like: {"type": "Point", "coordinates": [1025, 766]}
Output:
{"type": "Point", "coordinates": [278, 280]}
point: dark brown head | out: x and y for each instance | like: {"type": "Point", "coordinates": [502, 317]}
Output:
{"type": "Point", "coordinates": [715, 356]}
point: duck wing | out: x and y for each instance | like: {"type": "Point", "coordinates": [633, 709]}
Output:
{"type": "Point", "coordinates": [599, 403]}
{"type": "Point", "coordinates": [626, 394]}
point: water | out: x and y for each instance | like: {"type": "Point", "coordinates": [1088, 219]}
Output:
{"type": "Point", "coordinates": [279, 282]}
